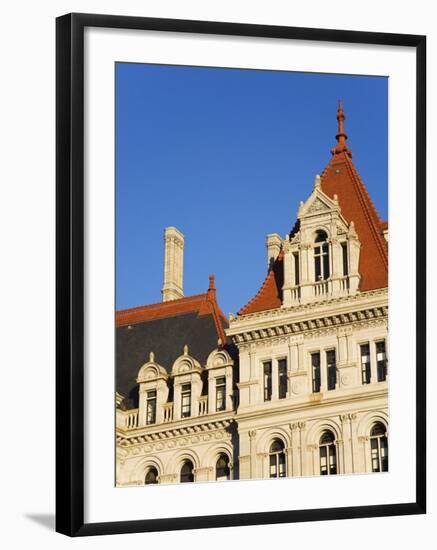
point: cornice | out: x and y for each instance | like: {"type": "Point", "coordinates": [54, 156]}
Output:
{"type": "Point", "coordinates": [280, 329]}
{"type": "Point", "coordinates": [171, 436]}
{"type": "Point", "coordinates": [326, 400]}
{"type": "Point", "coordinates": [311, 309]}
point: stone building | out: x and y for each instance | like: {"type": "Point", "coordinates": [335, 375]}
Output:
{"type": "Point", "coordinates": [295, 384]}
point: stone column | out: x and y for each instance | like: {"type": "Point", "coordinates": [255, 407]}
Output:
{"type": "Point", "coordinates": [203, 474]}
{"type": "Point", "coordinates": [313, 465]}
{"type": "Point", "coordinates": [323, 372]}
{"type": "Point", "coordinates": [347, 458]}
{"type": "Point", "coordinates": [366, 464]}
{"type": "Point", "coordinates": [353, 442]}
{"type": "Point", "coordinates": [229, 390]}
{"type": "Point", "coordinates": [211, 392]}
{"type": "Point", "coordinates": [302, 427]}
{"type": "Point", "coordinates": [252, 440]}
{"type": "Point", "coordinates": [289, 461]}
{"type": "Point", "coordinates": [177, 402]}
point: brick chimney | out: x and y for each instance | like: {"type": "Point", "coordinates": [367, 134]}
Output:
{"type": "Point", "coordinates": [173, 264]}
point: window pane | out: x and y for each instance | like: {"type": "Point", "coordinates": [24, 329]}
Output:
{"type": "Point", "coordinates": [273, 468]}
{"type": "Point", "coordinates": [325, 250]}
{"type": "Point", "coordinates": [374, 454]}
{"type": "Point", "coordinates": [221, 394]}
{"type": "Point", "coordinates": [282, 374]}
{"type": "Point", "coordinates": [151, 407]}
{"type": "Point", "coordinates": [332, 369]}
{"type": "Point", "coordinates": [187, 474]}
{"type": "Point", "coordinates": [345, 259]}
{"type": "Point", "coordinates": [323, 461]}
{"type": "Point", "coordinates": [267, 381]}
{"type": "Point", "coordinates": [277, 446]}
{"type": "Point", "coordinates": [384, 454]}
{"type": "Point", "coordinates": [365, 363]}
{"type": "Point", "coordinates": [315, 367]}
{"type": "Point", "coordinates": [317, 268]}
{"type": "Point", "coordinates": [186, 400]}
{"type": "Point", "coordinates": [378, 429]}
{"type": "Point", "coordinates": [321, 236]}
{"type": "Point", "coordinates": [222, 468]}
{"type": "Point", "coordinates": [332, 459]}
{"type": "Point", "coordinates": [327, 438]}
{"type": "Point", "coordinates": [381, 361]}
{"type": "Point", "coordinates": [151, 477]}
{"type": "Point", "coordinates": [296, 269]}
{"type": "Point", "coordinates": [282, 471]}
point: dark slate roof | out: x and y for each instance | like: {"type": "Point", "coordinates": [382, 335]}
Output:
{"type": "Point", "coordinates": [165, 337]}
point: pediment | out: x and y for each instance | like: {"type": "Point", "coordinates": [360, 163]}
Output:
{"type": "Point", "coordinates": [317, 205]}
{"type": "Point", "coordinates": [318, 202]}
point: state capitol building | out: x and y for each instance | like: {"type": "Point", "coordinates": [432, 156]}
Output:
{"type": "Point", "coordinates": [295, 384]}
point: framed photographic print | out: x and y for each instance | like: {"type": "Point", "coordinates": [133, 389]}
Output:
{"type": "Point", "coordinates": [276, 173]}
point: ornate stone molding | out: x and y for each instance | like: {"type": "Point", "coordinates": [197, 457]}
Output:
{"type": "Point", "coordinates": [319, 326]}
{"type": "Point", "coordinates": [170, 438]}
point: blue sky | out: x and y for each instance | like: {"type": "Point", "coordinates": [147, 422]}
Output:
{"type": "Point", "coordinates": [225, 155]}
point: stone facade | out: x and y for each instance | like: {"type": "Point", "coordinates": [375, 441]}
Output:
{"type": "Point", "coordinates": [298, 385]}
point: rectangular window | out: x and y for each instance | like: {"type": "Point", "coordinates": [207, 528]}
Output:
{"type": "Point", "coordinates": [296, 269]}
{"type": "Point", "coordinates": [381, 361]}
{"type": "Point", "coordinates": [282, 378]}
{"type": "Point", "coordinates": [325, 253]}
{"type": "Point", "coordinates": [315, 369]}
{"type": "Point", "coordinates": [185, 400]}
{"type": "Point", "coordinates": [267, 369]}
{"type": "Point", "coordinates": [220, 394]}
{"type": "Point", "coordinates": [151, 407]}
{"type": "Point", "coordinates": [365, 363]}
{"type": "Point", "coordinates": [317, 264]}
{"type": "Point", "coordinates": [345, 259]}
{"type": "Point", "coordinates": [332, 369]}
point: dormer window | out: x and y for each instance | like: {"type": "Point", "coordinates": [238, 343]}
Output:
{"type": "Point", "coordinates": [151, 407]}
{"type": "Point", "coordinates": [321, 256]}
{"type": "Point", "coordinates": [186, 400]}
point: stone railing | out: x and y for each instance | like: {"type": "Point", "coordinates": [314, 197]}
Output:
{"type": "Point", "coordinates": [168, 412]}
{"type": "Point", "coordinates": [321, 288]}
{"type": "Point", "coordinates": [203, 405]}
{"type": "Point", "coordinates": [131, 419]}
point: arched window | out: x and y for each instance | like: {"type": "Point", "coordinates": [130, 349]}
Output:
{"type": "Point", "coordinates": [328, 454]}
{"type": "Point", "coordinates": [379, 447]}
{"type": "Point", "coordinates": [151, 476]}
{"type": "Point", "coordinates": [222, 469]}
{"type": "Point", "coordinates": [187, 472]}
{"type": "Point", "coordinates": [277, 459]}
{"type": "Point", "coordinates": [321, 256]}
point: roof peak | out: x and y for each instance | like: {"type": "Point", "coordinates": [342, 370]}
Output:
{"type": "Point", "coordinates": [341, 135]}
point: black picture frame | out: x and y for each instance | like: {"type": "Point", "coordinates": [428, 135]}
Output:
{"type": "Point", "coordinates": [70, 273]}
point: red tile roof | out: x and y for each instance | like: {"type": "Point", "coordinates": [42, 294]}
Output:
{"type": "Point", "coordinates": [340, 178]}
{"type": "Point", "coordinates": [203, 304]}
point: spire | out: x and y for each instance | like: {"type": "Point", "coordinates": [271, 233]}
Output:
{"type": "Point", "coordinates": [341, 136]}
{"type": "Point", "coordinates": [211, 289]}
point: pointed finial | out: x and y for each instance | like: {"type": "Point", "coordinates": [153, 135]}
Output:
{"type": "Point", "coordinates": [211, 282]}
{"type": "Point", "coordinates": [211, 289]}
{"type": "Point", "coordinates": [185, 349]}
{"type": "Point", "coordinates": [341, 136]}
{"type": "Point", "coordinates": [151, 357]}
{"type": "Point", "coordinates": [317, 182]}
